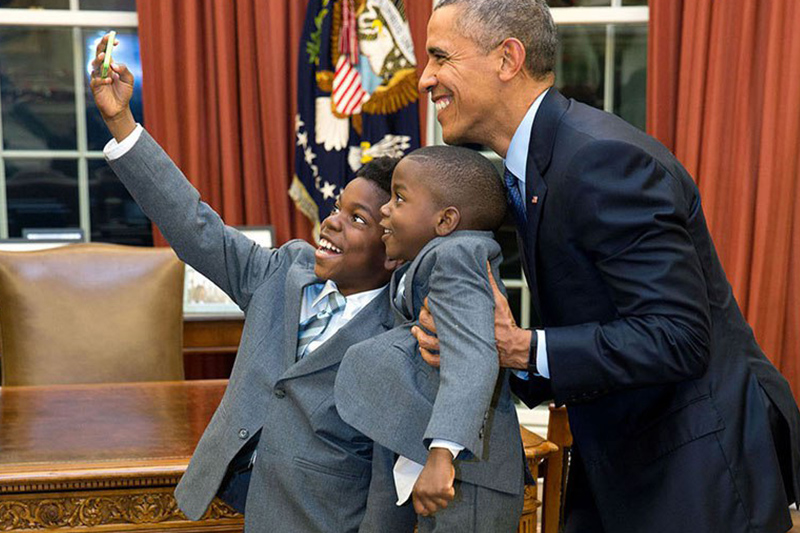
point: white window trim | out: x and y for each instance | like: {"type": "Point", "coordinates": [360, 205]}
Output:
{"type": "Point", "coordinates": [77, 20]}
{"type": "Point", "coordinates": [68, 18]}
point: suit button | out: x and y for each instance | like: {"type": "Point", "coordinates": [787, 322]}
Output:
{"type": "Point", "coordinates": [280, 393]}
{"type": "Point", "coordinates": [480, 434]}
{"type": "Point", "coordinates": [243, 433]}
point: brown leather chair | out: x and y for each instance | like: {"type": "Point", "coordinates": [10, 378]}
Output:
{"type": "Point", "coordinates": [91, 313]}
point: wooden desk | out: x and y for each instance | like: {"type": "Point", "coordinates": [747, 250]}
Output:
{"type": "Point", "coordinates": [210, 344]}
{"type": "Point", "coordinates": [103, 457]}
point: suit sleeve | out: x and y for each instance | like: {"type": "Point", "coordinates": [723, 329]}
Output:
{"type": "Point", "coordinates": [629, 216]}
{"type": "Point", "coordinates": [461, 299]}
{"type": "Point", "coordinates": [197, 234]}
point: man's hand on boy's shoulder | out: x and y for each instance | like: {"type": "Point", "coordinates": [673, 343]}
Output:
{"type": "Point", "coordinates": [434, 489]}
{"type": "Point", "coordinates": [428, 342]}
{"type": "Point", "coordinates": [513, 343]}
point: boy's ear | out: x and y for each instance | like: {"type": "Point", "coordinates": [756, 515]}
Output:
{"type": "Point", "coordinates": [449, 218]}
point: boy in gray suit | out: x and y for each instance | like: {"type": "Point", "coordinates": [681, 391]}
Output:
{"type": "Point", "coordinates": [276, 446]}
{"type": "Point", "coordinates": [445, 203]}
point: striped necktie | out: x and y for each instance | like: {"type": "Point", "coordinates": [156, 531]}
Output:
{"type": "Point", "coordinates": [515, 200]}
{"type": "Point", "coordinates": [315, 325]}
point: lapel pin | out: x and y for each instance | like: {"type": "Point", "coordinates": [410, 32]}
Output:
{"type": "Point", "coordinates": [535, 200]}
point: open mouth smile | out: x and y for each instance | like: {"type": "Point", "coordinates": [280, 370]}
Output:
{"type": "Point", "coordinates": [441, 103]}
{"type": "Point", "coordinates": [386, 233]}
{"type": "Point", "coordinates": [327, 249]}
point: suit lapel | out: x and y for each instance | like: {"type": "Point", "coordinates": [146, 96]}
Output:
{"type": "Point", "coordinates": [394, 287]}
{"type": "Point", "coordinates": [296, 280]}
{"type": "Point", "coordinates": [365, 324]}
{"type": "Point", "coordinates": [540, 153]}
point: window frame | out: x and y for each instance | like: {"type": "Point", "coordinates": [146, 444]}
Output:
{"type": "Point", "coordinates": [77, 20]}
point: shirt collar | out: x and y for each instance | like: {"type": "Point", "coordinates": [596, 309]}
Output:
{"type": "Point", "coordinates": [517, 156]}
{"type": "Point", "coordinates": [353, 303]}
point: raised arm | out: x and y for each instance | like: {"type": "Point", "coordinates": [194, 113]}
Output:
{"type": "Point", "coordinates": [198, 235]}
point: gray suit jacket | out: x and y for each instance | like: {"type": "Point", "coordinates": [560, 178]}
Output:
{"type": "Point", "coordinates": [386, 390]}
{"type": "Point", "coordinates": [313, 470]}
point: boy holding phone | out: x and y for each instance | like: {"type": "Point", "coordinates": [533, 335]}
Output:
{"type": "Point", "coordinates": [276, 448]}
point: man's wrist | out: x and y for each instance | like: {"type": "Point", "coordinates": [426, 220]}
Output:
{"type": "Point", "coordinates": [515, 348]}
{"type": "Point", "coordinates": [532, 353]}
{"type": "Point", "coordinates": [121, 125]}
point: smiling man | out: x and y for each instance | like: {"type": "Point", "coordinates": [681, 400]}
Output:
{"type": "Point", "coordinates": [680, 422]}
{"type": "Point", "coordinates": [276, 448]}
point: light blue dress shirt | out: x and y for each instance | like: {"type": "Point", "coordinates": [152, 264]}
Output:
{"type": "Point", "coordinates": [517, 162]}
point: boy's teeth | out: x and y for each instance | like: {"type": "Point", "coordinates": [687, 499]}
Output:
{"type": "Point", "coordinates": [326, 245]}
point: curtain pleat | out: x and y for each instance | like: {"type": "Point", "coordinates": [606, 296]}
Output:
{"type": "Point", "coordinates": [724, 96]}
{"type": "Point", "coordinates": [220, 95]}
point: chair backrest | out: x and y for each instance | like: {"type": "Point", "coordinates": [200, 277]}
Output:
{"type": "Point", "coordinates": [555, 470]}
{"type": "Point", "coordinates": [91, 313]}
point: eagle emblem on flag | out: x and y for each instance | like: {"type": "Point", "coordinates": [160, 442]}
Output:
{"type": "Point", "coordinates": [357, 96]}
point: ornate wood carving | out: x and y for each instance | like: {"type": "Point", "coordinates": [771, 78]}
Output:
{"type": "Point", "coordinates": [89, 511]}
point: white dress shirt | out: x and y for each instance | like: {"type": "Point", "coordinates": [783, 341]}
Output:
{"type": "Point", "coordinates": [517, 162]}
{"type": "Point", "coordinates": [315, 297]}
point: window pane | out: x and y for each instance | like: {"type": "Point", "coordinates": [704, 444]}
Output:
{"type": "Point", "coordinates": [580, 63]}
{"type": "Point", "coordinates": [109, 5]}
{"type": "Point", "coordinates": [575, 3]}
{"type": "Point", "coordinates": [126, 52]}
{"type": "Point", "coordinates": [115, 217]}
{"type": "Point", "coordinates": [630, 74]}
{"type": "Point", "coordinates": [634, 2]}
{"type": "Point", "coordinates": [47, 4]}
{"type": "Point", "coordinates": [42, 193]}
{"type": "Point", "coordinates": [37, 88]}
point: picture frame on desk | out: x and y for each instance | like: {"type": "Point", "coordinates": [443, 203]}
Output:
{"type": "Point", "coordinates": [201, 297]}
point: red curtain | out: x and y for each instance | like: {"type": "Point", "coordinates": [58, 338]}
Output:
{"type": "Point", "coordinates": [219, 86]}
{"type": "Point", "coordinates": [220, 95]}
{"type": "Point", "coordinates": [724, 95]}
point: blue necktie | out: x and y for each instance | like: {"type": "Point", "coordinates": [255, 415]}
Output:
{"type": "Point", "coordinates": [315, 325]}
{"type": "Point", "coordinates": [515, 201]}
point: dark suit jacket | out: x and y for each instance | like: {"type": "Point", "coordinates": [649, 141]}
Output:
{"type": "Point", "coordinates": [665, 385]}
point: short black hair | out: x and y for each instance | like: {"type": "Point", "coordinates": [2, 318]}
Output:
{"type": "Point", "coordinates": [379, 171]}
{"type": "Point", "coordinates": [465, 179]}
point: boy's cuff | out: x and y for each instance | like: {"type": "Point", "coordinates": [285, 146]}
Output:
{"type": "Point", "coordinates": [114, 150]}
{"type": "Point", "coordinates": [454, 448]}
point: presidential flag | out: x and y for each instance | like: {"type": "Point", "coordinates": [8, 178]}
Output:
{"type": "Point", "coordinates": [356, 98]}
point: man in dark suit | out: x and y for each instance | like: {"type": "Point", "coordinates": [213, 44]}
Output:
{"type": "Point", "coordinates": [680, 422]}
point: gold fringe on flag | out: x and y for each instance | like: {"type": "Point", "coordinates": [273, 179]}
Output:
{"type": "Point", "coordinates": [305, 204]}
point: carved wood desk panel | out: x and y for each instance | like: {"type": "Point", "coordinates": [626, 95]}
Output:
{"type": "Point", "coordinates": [101, 458]}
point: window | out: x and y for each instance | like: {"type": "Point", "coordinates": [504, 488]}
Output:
{"type": "Point", "coordinates": [601, 61]}
{"type": "Point", "coordinates": [52, 171]}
